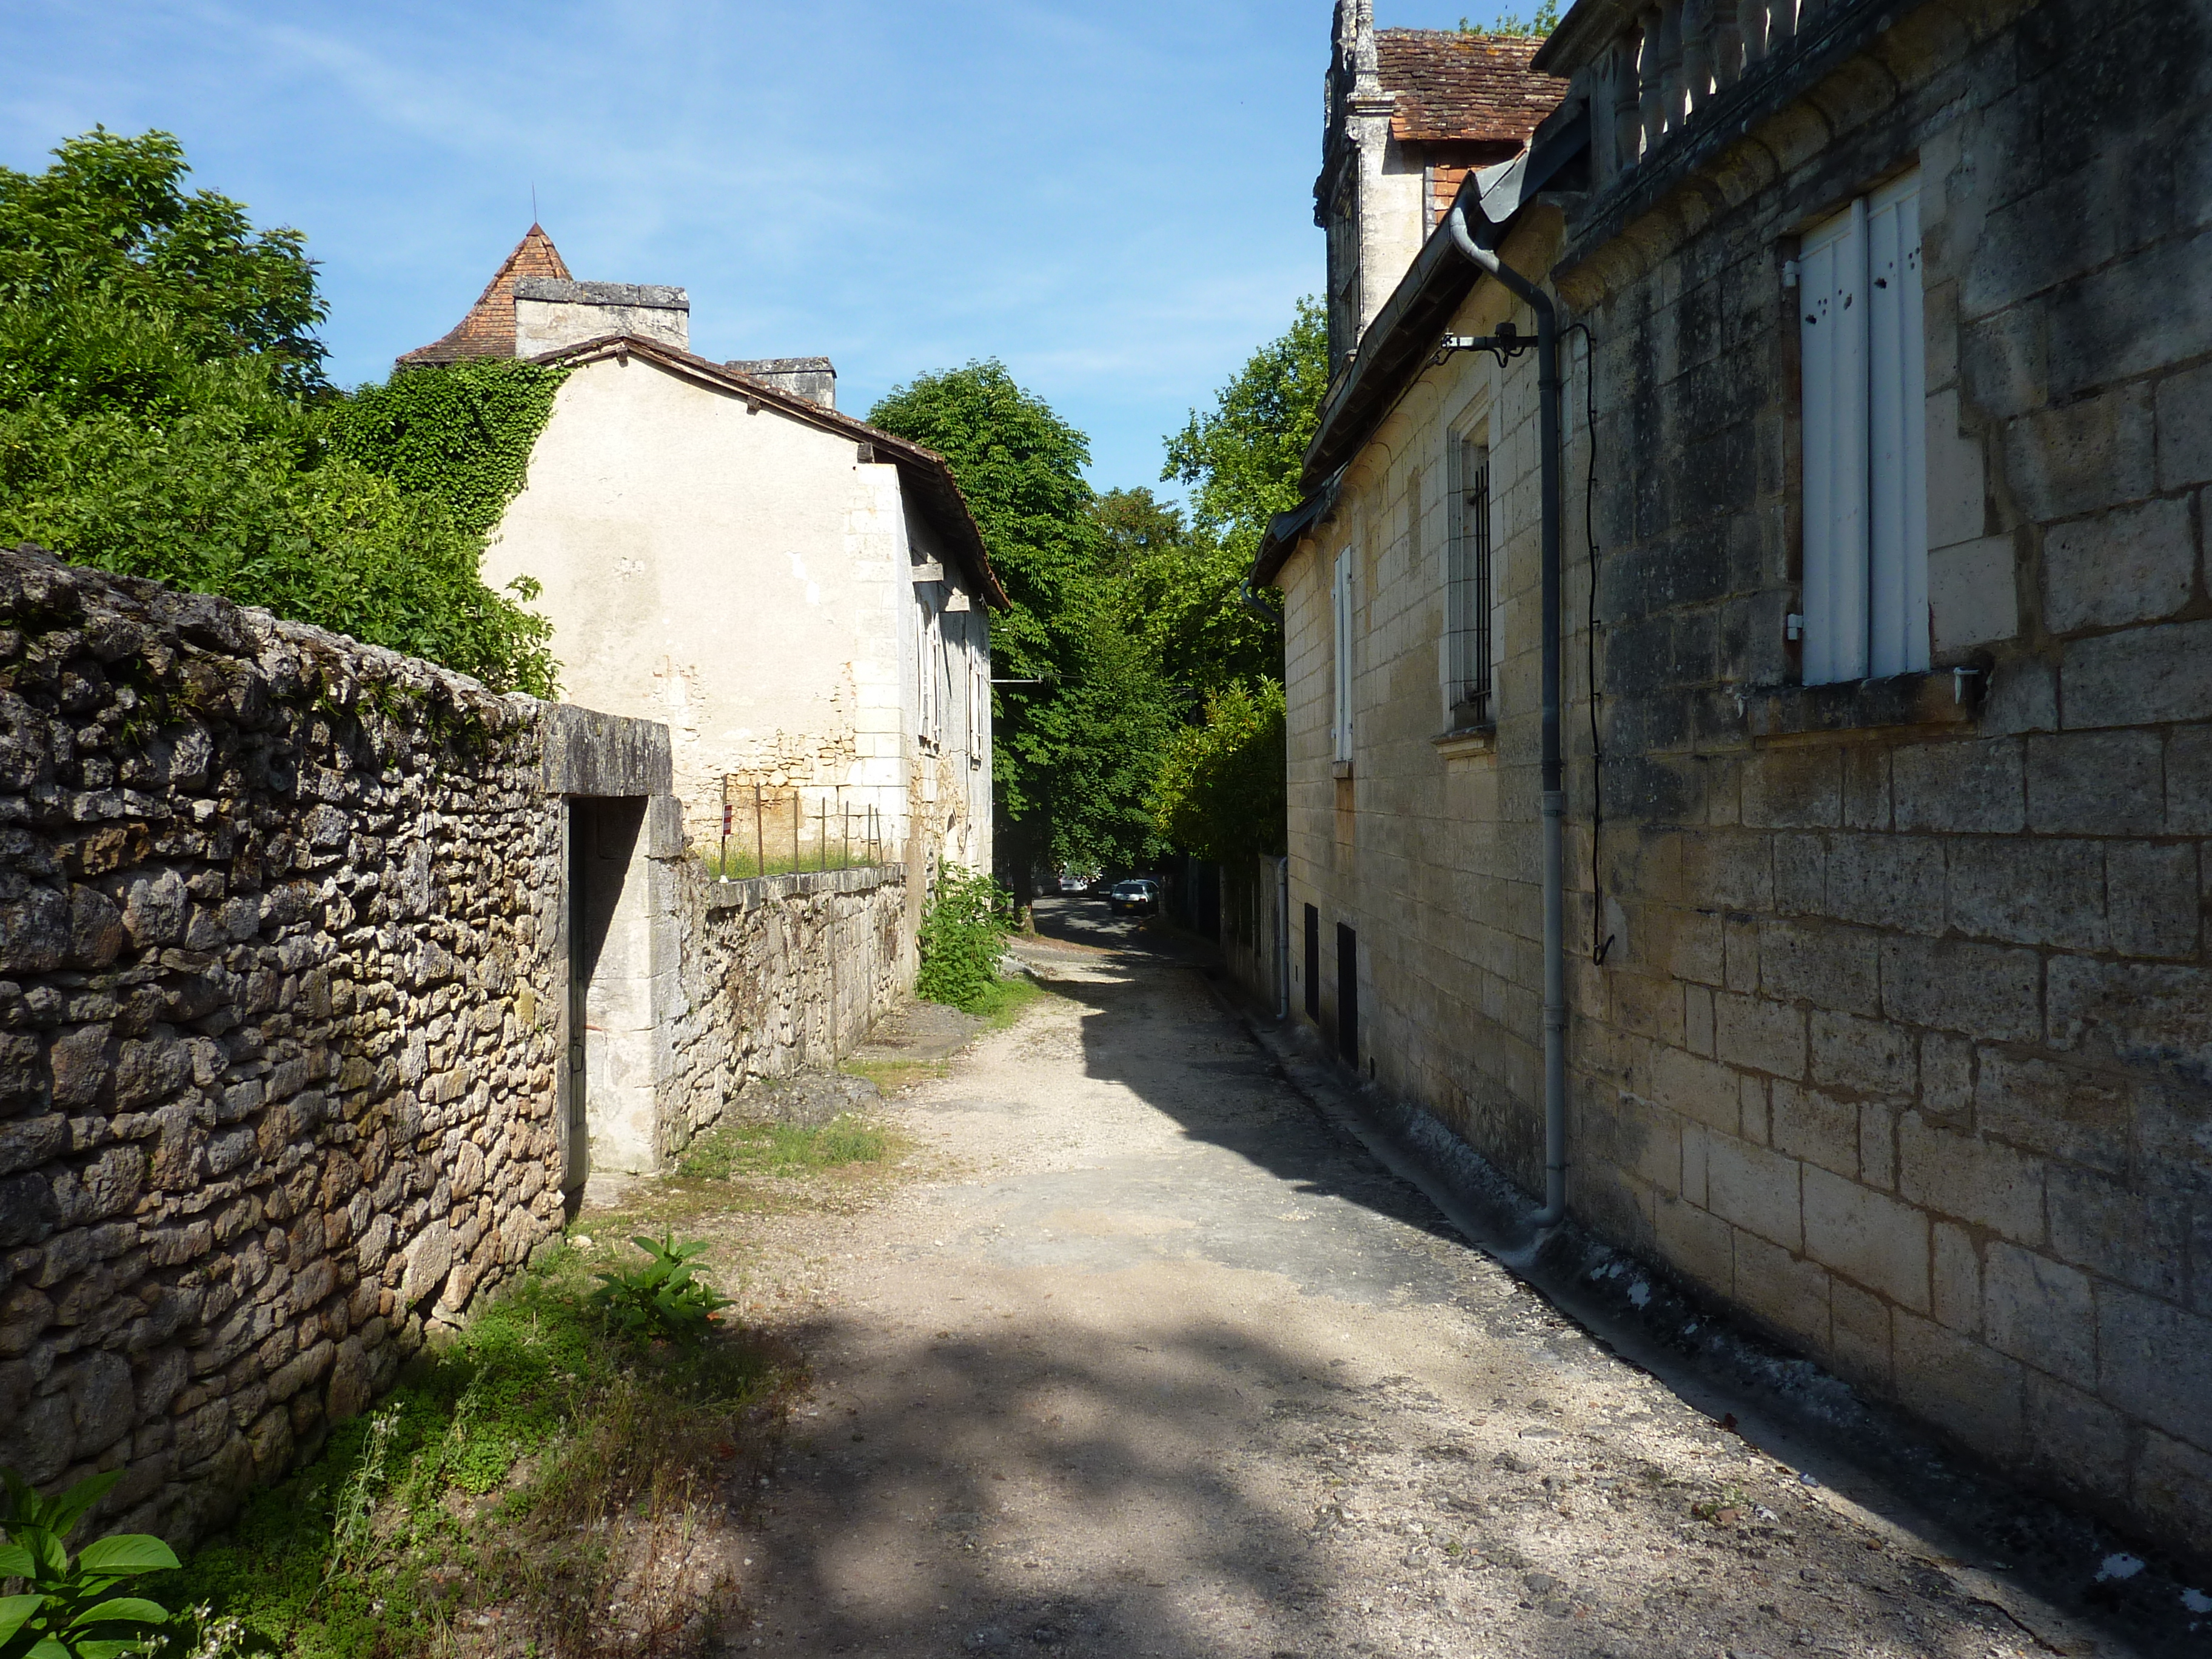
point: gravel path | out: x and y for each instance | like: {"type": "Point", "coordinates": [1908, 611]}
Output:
{"type": "Point", "coordinates": [1150, 1360]}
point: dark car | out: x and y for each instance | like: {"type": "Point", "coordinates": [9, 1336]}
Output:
{"type": "Point", "coordinates": [1138, 898]}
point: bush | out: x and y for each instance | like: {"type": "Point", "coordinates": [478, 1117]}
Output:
{"type": "Point", "coordinates": [1221, 788]}
{"type": "Point", "coordinates": [163, 414]}
{"type": "Point", "coordinates": [665, 1297]}
{"type": "Point", "coordinates": [963, 936]}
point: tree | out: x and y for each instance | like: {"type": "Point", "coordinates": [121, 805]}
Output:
{"type": "Point", "coordinates": [1221, 791]}
{"type": "Point", "coordinates": [1220, 794]}
{"type": "Point", "coordinates": [1074, 758]}
{"type": "Point", "coordinates": [111, 219]}
{"type": "Point", "coordinates": [163, 414]}
{"type": "Point", "coordinates": [1245, 458]}
{"type": "Point", "coordinates": [1545, 20]}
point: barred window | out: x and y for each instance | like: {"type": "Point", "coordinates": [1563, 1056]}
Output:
{"type": "Point", "coordinates": [1467, 587]}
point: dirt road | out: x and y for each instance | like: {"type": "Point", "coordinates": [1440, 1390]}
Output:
{"type": "Point", "coordinates": [1153, 1361]}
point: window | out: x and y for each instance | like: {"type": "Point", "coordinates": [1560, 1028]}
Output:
{"type": "Point", "coordinates": [929, 657]}
{"type": "Point", "coordinates": [1340, 605]}
{"type": "Point", "coordinates": [1466, 586]}
{"type": "Point", "coordinates": [1864, 359]}
{"type": "Point", "coordinates": [979, 703]}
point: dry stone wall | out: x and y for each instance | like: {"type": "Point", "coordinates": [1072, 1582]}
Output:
{"type": "Point", "coordinates": [277, 1080]}
{"type": "Point", "coordinates": [780, 974]}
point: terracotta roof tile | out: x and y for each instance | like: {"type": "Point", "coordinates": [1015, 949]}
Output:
{"type": "Point", "coordinates": [1453, 86]}
{"type": "Point", "coordinates": [489, 329]}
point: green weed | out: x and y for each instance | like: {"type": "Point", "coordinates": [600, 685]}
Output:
{"type": "Point", "coordinates": [501, 1474]}
{"type": "Point", "coordinates": [784, 1149]}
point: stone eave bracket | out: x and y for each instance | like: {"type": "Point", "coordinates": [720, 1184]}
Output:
{"type": "Point", "coordinates": [1936, 698]}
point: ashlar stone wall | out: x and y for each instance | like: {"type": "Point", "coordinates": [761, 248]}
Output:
{"type": "Point", "coordinates": [1905, 1042]}
{"type": "Point", "coordinates": [1901, 1044]}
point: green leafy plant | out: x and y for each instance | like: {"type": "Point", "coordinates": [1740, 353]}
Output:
{"type": "Point", "coordinates": [67, 1612]}
{"type": "Point", "coordinates": [664, 1297]}
{"type": "Point", "coordinates": [963, 935]}
{"type": "Point", "coordinates": [1221, 785]}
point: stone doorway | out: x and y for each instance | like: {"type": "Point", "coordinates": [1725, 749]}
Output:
{"type": "Point", "coordinates": [610, 1113]}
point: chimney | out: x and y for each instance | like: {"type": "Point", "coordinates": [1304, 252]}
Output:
{"type": "Point", "coordinates": [550, 314]}
{"type": "Point", "coordinates": [811, 378]}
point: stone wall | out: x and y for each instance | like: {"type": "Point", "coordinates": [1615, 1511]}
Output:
{"type": "Point", "coordinates": [281, 1015]}
{"type": "Point", "coordinates": [1903, 1042]}
{"type": "Point", "coordinates": [780, 974]}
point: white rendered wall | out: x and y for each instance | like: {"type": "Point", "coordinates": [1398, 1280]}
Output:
{"type": "Point", "coordinates": [742, 577]}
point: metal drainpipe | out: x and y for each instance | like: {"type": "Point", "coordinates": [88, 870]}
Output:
{"type": "Point", "coordinates": [1282, 938]}
{"type": "Point", "coordinates": [1554, 797]}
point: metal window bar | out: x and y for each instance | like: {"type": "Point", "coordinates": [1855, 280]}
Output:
{"type": "Point", "coordinates": [1469, 597]}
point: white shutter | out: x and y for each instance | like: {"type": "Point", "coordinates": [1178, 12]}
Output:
{"type": "Point", "coordinates": [1897, 419]}
{"type": "Point", "coordinates": [1831, 333]}
{"type": "Point", "coordinates": [1340, 598]}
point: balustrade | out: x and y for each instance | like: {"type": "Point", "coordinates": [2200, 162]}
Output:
{"type": "Point", "coordinates": [1656, 77]}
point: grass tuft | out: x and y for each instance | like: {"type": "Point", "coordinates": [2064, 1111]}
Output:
{"type": "Point", "coordinates": [494, 1495]}
{"type": "Point", "coordinates": [784, 1149]}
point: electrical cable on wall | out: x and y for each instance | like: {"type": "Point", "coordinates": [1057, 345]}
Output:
{"type": "Point", "coordinates": [1601, 941]}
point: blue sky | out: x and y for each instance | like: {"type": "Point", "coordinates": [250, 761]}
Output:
{"type": "Point", "coordinates": [1112, 197]}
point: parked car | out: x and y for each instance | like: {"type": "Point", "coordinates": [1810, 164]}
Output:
{"type": "Point", "coordinates": [1138, 897]}
{"type": "Point", "coordinates": [1072, 881]}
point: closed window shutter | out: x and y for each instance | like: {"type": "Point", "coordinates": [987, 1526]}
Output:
{"type": "Point", "coordinates": [1864, 356]}
{"type": "Point", "coordinates": [1831, 334]}
{"type": "Point", "coordinates": [1897, 416]}
{"type": "Point", "coordinates": [1341, 605]}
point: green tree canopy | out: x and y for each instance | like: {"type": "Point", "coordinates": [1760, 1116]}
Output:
{"type": "Point", "coordinates": [111, 221]}
{"type": "Point", "coordinates": [1220, 792]}
{"type": "Point", "coordinates": [1073, 758]}
{"type": "Point", "coordinates": [1242, 459]}
{"type": "Point", "coordinates": [162, 414]}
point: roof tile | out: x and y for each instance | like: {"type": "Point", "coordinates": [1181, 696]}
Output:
{"type": "Point", "coordinates": [489, 329]}
{"type": "Point", "coordinates": [1451, 85]}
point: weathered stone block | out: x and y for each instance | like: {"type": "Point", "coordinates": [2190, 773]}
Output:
{"type": "Point", "coordinates": [2083, 455]}
{"type": "Point", "coordinates": [1830, 967]}
{"type": "Point", "coordinates": [2151, 899]}
{"type": "Point", "coordinates": [1867, 1236]}
{"type": "Point", "coordinates": [1755, 1189]}
{"type": "Point", "coordinates": [2183, 407]}
{"type": "Point", "coordinates": [1973, 1179]}
{"type": "Point", "coordinates": [2130, 564]}
{"type": "Point", "coordinates": [1887, 881]}
{"type": "Point", "coordinates": [2094, 783]}
{"type": "Point", "coordinates": [2040, 1313]}
{"type": "Point", "coordinates": [2046, 1107]}
{"type": "Point", "coordinates": [2078, 1442]}
{"type": "Point", "coordinates": [1817, 1128]}
{"type": "Point", "coordinates": [1956, 1278]}
{"type": "Point", "coordinates": [2140, 676]}
{"type": "Point", "coordinates": [1981, 989]}
{"type": "Point", "coordinates": [1786, 1292]}
{"type": "Point", "coordinates": [2029, 891]}
{"type": "Point", "coordinates": [1964, 787]}
{"type": "Point", "coordinates": [1757, 1034]}
{"type": "Point", "coordinates": [2154, 1361]}
{"type": "Point", "coordinates": [2142, 1013]}
{"type": "Point", "coordinates": [1973, 1391]}
{"type": "Point", "coordinates": [1865, 1056]}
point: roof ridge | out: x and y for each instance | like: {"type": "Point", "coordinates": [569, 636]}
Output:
{"type": "Point", "coordinates": [487, 330]}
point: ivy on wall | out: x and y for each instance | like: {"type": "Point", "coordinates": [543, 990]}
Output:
{"type": "Point", "coordinates": [463, 433]}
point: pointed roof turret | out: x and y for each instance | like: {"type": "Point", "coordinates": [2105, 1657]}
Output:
{"type": "Point", "coordinates": [489, 329]}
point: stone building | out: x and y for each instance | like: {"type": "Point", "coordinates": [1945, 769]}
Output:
{"type": "Point", "coordinates": [1883, 659]}
{"type": "Point", "coordinates": [802, 598]}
